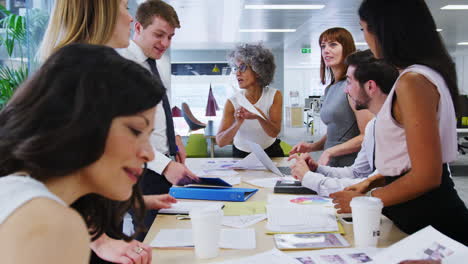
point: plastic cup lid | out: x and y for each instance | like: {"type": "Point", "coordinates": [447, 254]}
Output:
{"type": "Point", "coordinates": [368, 202]}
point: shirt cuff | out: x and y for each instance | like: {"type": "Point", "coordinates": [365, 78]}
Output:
{"type": "Point", "coordinates": [321, 169]}
{"type": "Point", "coordinates": [312, 180]}
{"type": "Point", "coordinates": [159, 163]}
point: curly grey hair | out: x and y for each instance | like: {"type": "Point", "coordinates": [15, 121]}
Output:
{"type": "Point", "coordinates": [259, 58]}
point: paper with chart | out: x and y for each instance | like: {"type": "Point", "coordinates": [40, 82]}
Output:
{"type": "Point", "coordinates": [300, 199]}
{"type": "Point", "coordinates": [309, 241]}
{"type": "Point", "coordinates": [427, 243]}
{"type": "Point", "coordinates": [334, 256]}
{"type": "Point", "coordinates": [273, 256]}
{"type": "Point", "coordinates": [242, 101]}
{"type": "Point", "coordinates": [250, 162]}
{"type": "Point", "coordinates": [220, 168]}
{"type": "Point", "coordinates": [229, 238]}
{"type": "Point", "coordinates": [301, 218]}
{"type": "Point", "coordinates": [242, 221]}
{"type": "Point", "coordinates": [300, 213]}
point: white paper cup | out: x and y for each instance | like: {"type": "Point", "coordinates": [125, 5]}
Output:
{"type": "Point", "coordinates": [206, 229]}
{"type": "Point", "coordinates": [366, 220]}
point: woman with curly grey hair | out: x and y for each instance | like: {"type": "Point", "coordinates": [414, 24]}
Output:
{"type": "Point", "coordinates": [254, 66]}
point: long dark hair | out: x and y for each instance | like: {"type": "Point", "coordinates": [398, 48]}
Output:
{"type": "Point", "coordinates": [346, 40]}
{"type": "Point", "coordinates": [406, 34]}
{"type": "Point", "coordinates": [58, 121]}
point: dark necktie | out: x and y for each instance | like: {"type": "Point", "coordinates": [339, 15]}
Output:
{"type": "Point", "coordinates": [373, 152]}
{"type": "Point", "coordinates": [167, 111]}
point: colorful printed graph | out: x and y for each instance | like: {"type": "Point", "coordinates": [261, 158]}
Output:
{"type": "Point", "coordinates": [310, 200]}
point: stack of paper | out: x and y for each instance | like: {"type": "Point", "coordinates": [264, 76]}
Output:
{"type": "Point", "coordinates": [241, 215]}
{"type": "Point", "coordinates": [242, 221]}
{"type": "Point", "coordinates": [229, 238]}
{"type": "Point", "coordinates": [182, 207]}
{"type": "Point", "coordinates": [301, 218]}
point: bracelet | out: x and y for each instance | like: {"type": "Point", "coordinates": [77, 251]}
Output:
{"type": "Point", "coordinates": [369, 193]}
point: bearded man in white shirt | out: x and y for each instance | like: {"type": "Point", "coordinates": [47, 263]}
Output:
{"type": "Point", "coordinates": [369, 80]}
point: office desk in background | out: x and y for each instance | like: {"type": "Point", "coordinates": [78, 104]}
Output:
{"type": "Point", "coordinates": [264, 242]}
{"type": "Point", "coordinates": [462, 132]}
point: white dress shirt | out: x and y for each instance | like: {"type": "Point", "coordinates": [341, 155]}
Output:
{"type": "Point", "coordinates": [328, 180]}
{"type": "Point", "coordinates": [159, 137]}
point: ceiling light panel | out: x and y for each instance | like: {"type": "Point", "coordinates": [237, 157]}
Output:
{"type": "Point", "coordinates": [455, 7]}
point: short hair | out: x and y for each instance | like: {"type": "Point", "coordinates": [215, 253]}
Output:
{"type": "Point", "coordinates": [369, 68]}
{"type": "Point", "coordinates": [346, 40]}
{"type": "Point", "coordinates": [259, 58]}
{"type": "Point", "coordinates": [156, 8]}
{"type": "Point", "coordinates": [406, 35]}
{"type": "Point", "coordinates": [79, 21]}
{"type": "Point", "coordinates": [58, 121]}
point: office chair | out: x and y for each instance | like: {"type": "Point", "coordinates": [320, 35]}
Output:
{"type": "Point", "coordinates": [193, 123]}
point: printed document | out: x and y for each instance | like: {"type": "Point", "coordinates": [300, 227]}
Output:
{"type": "Point", "coordinates": [242, 221]}
{"type": "Point", "coordinates": [427, 243]}
{"type": "Point", "coordinates": [242, 101]}
{"type": "Point", "coordinates": [229, 238]}
{"type": "Point", "coordinates": [301, 218]}
{"type": "Point", "coordinates": [273, 256]}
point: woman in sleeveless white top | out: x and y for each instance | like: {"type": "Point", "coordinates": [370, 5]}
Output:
{"type": "Point", "coordinates": [416, 127]}
{"type": "Point", "coordinates": [254, 66]}
{"type": "Point", "coordinates": [72, 151]}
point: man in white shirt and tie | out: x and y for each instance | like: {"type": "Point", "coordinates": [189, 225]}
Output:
{"type": "Point", "coordinates": [155, 26]}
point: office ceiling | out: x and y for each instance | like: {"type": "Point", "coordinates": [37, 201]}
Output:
{"type": "Point", "coordinates": [215, 24]}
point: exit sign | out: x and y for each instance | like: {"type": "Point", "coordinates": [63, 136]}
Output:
{"type": "Point", "coordinates": [306, 50]}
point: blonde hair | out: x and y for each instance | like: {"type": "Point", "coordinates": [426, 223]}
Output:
{"type": "Point", "coordinates": [79, 21]}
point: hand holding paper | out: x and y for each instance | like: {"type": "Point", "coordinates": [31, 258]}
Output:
{"type": "Point", "coordinates": [250, 108]}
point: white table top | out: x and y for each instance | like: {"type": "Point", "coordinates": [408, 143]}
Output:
{"type": "Point", "coordinates": [264, 242]}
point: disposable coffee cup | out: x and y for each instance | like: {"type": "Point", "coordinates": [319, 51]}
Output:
{"type": "Point", "coordinates": [206, 229]}
{"type": "Point", "coordinates": [366, 213]}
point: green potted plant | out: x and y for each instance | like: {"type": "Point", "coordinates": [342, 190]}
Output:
{"type": "Point", "coordinates": [14, 70]}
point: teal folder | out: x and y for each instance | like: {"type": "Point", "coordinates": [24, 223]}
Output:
{"type": "Point", "coordinates": [216, 194]}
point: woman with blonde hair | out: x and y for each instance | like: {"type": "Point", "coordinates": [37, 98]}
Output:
{"type": "Point", "coordinates": [87, 21]}
{"type": "Point", "coordinates": [345, 124]}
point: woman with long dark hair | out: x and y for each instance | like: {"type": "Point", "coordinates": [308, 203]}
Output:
{"type": "Point", "coordinates": [74, 135]}
{"type": "Point", "coordinates": [416, 127]}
